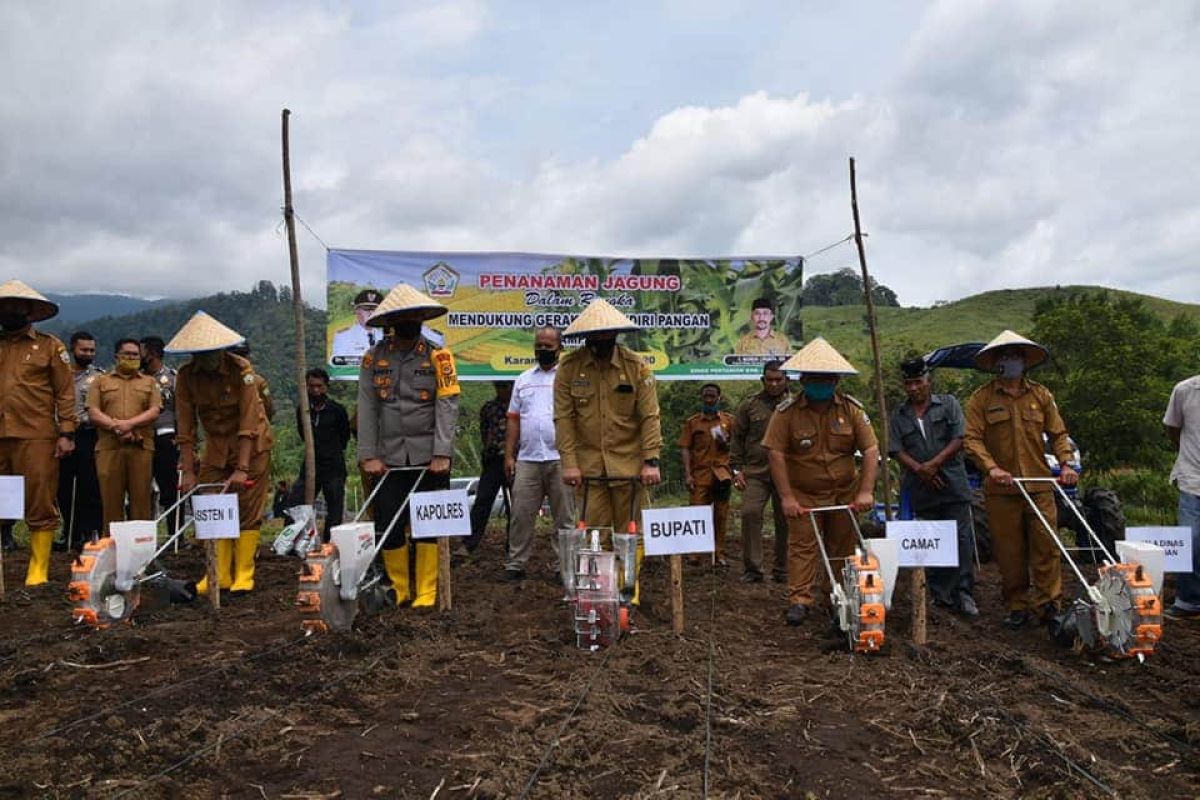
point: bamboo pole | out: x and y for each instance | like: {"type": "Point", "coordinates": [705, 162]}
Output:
{"type": "Point", "coordinates": [214, 583]}
{"type": "Point", "coordinates": [310, 454]}
{"type": "Point", "coordinates": [918, 601]}
{"type": "Point", "coordinates": [677, 594]}
{"type": "Point", "coordinates": [445, 594]}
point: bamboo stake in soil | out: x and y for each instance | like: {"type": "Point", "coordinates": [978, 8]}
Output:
{"type": "Point", "coordinates": [918, 624]}
{"type": "Point", "coordinates": [445, 596]}
{"type": "Point", "coordinates": [310, 454]}
{"type": "Point", "coordinates": [214, 584]}
{"type": "Point", "coordinates": [677, 594]}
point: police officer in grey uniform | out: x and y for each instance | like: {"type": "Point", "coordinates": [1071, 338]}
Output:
{"type": "Point", "coordinates": [407, 407]}
{"type": "Point", "coordinates": [78, 484]}
{"type": "Point", "coordinates": [351, 343]}
{"type": "Point", "coordinates": [166, 452]}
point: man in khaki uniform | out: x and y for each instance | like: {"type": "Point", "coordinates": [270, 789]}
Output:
{"type": "Point", "coordinates": [752, 475]}
{"type": "Point", "coordinates": [1006, 420]}
{"type": "Point", "coordinates": [606, 421]}
{"type": "Point", "coordinates": [216, 391]}
{"type": "Point", "coordinates": [704, 446]}
{"type": "Point", "coordinates": [812, 439]}
{"type": "Point", "coordinates": [762, 340]}
{"type": "Point", "coordinates": [408, 395]}
{"type": "Point", "coordinates": [123, 406]}
{"type": "Point", "coordinates": [37, 414]}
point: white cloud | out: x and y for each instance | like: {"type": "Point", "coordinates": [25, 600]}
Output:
{"type": "Point", "coordinates": [1010, 143]}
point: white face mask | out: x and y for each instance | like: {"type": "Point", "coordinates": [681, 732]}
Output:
{"type": "Point", "coordinates": [1010, 367]}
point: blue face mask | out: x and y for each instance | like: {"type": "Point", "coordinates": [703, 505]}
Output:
{"type": "Point", "coordinates": [818, 392]}
{"type": "Point", "coordinates": [707, 409]}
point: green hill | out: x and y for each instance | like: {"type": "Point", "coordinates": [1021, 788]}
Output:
{"type": "Point", "coordinates": [975, 318]}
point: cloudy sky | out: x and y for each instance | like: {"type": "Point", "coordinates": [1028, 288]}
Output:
{"type": "Point", "coordinates": [999, 144]}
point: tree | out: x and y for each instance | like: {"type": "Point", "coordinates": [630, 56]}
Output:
{"type": "Point", "coordinates": [844, 288]}
{"type": "Point", "coordinates": [1113, 366]}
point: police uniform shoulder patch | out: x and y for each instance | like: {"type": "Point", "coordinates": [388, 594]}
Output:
{"type": "Point", "coordinates": [786, 403]}
{"type": "Point", "coordinates": [64, 357]}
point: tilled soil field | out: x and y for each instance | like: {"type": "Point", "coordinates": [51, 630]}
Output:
{"type": "Point", "coordinates": [493, 700]}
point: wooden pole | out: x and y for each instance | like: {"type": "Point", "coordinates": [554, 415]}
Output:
{"type": "Point", "coordinates": [214, 583]}
{"type": "Point", "coordinates": [445, 594]}
{"type": "Point", "coordinates": [310, 453]}
{"type": "Point", "coordinates": [677, 594]}
{"type": "Point", "coordinates": [918, 601]}
{"type": "Point", "coordinates": [2, 572]}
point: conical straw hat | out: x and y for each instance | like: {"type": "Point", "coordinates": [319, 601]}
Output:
{"type": "Point", "coordinates": [404, 299]}
{"type": "Point", "coordinates": [203, 334]}
{"type": "Point", "coordinates": [819, 358]}
{"type": "Point", "coordinates": [1034, 353]}
{"type": "Point", "coordinates": [600, 316]}
{"type": "Point", "coordinates": [41, 307]}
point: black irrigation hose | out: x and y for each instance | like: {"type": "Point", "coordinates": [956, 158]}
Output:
{"type": "Point", "coordinates": [545, 760]}
{"type": "Point", "coordinates": [305, 693]}
{"type": "Point", "coordinates": [169, 687]}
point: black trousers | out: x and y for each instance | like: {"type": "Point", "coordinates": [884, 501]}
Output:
{"type": "Point", "coordinates": [491, 479]}
{"type": "Point", "coordinates": [77, 473]}
{"type": "Point", "coordinates": [331, 483]}
{"type": "Point", "coordinates": [946, 583]}
{"type": "Point", "coordinates": [166, 475]}
{"type": "Point", "coordinates": [395, 490]}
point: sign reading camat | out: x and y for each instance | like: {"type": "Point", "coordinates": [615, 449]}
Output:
{"type": "Point", "coordinates": [445, 513]}
{"type": "Point", "coordinates": [925, 543]}
{"type": "Point", "coordinates": [1176, 543]}
{"type": "Point", "coordinates": [216, 516]}
{"type": "Point", "coordinates": [677, 531]}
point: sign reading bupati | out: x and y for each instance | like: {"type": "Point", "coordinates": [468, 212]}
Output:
{"type": "Point", "coordinates": [216, 516]}
{"type": "Point", "coordinates": [444, 513]}
{"type": "Point", "coordinates": [1176, 543]}
{"type": "Point", "coordinates": [12, 497]}
{"type": "Point", "coordinates": [700, 318]}
{"type": "Point", "coordinates": [677, 531]}
{"type": "Point", "coordinates": [925, 543]}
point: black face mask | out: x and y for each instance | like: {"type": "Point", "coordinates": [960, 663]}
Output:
{"type": "Point", "coordinates": [546, 358]}
{"type": "Point", "coordinates": [602, 349]}
{"type": "Point", "coordinates": [407, 330]}
{"type": "Point", "coordinates": [13, 320]}
{"type": "Point", "coordinates": [83, 361]}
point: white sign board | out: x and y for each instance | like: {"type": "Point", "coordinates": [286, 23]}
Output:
{"type": "Point", "coordinates": [1176, 543]}
{"type": "Point", "coordinates": [445, 513]}
{"type": "Point", "coordinates": [216, 516]}
{"type": "Point", "coordinates": [677, 531]}
{"type": "Point", "coordinates": [12, 497]}
{"type": "Point", "coordinates": [925, 542]}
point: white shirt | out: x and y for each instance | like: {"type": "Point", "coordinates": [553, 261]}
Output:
{"type": "Point", "coordinates": [533, 401]}
{"type": "Point", "coordinates": [1183, 412]}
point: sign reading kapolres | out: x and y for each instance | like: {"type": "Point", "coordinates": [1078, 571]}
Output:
{"type": "Point", "coordinates": [701, 318]}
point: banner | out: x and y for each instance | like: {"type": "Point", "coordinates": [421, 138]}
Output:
{"type": "Point", "coordinates": [701, 318]}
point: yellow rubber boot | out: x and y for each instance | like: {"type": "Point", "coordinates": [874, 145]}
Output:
{"type": "Point", "coordinates": [224, 549]}
{"type": "Point", "coordinates": [245, 551]}
{"type": "Point", "coordinates": [395, 563]}
{"type": "Point", "coordinates": [427, 575]}
{"type": "Point", "coordinates": [38, 571]}
{"type": "Point", "coordinates": [637, 582]}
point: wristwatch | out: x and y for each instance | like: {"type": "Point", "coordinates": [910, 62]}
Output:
{"type": "Point", "coordinates": [651, 462]}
